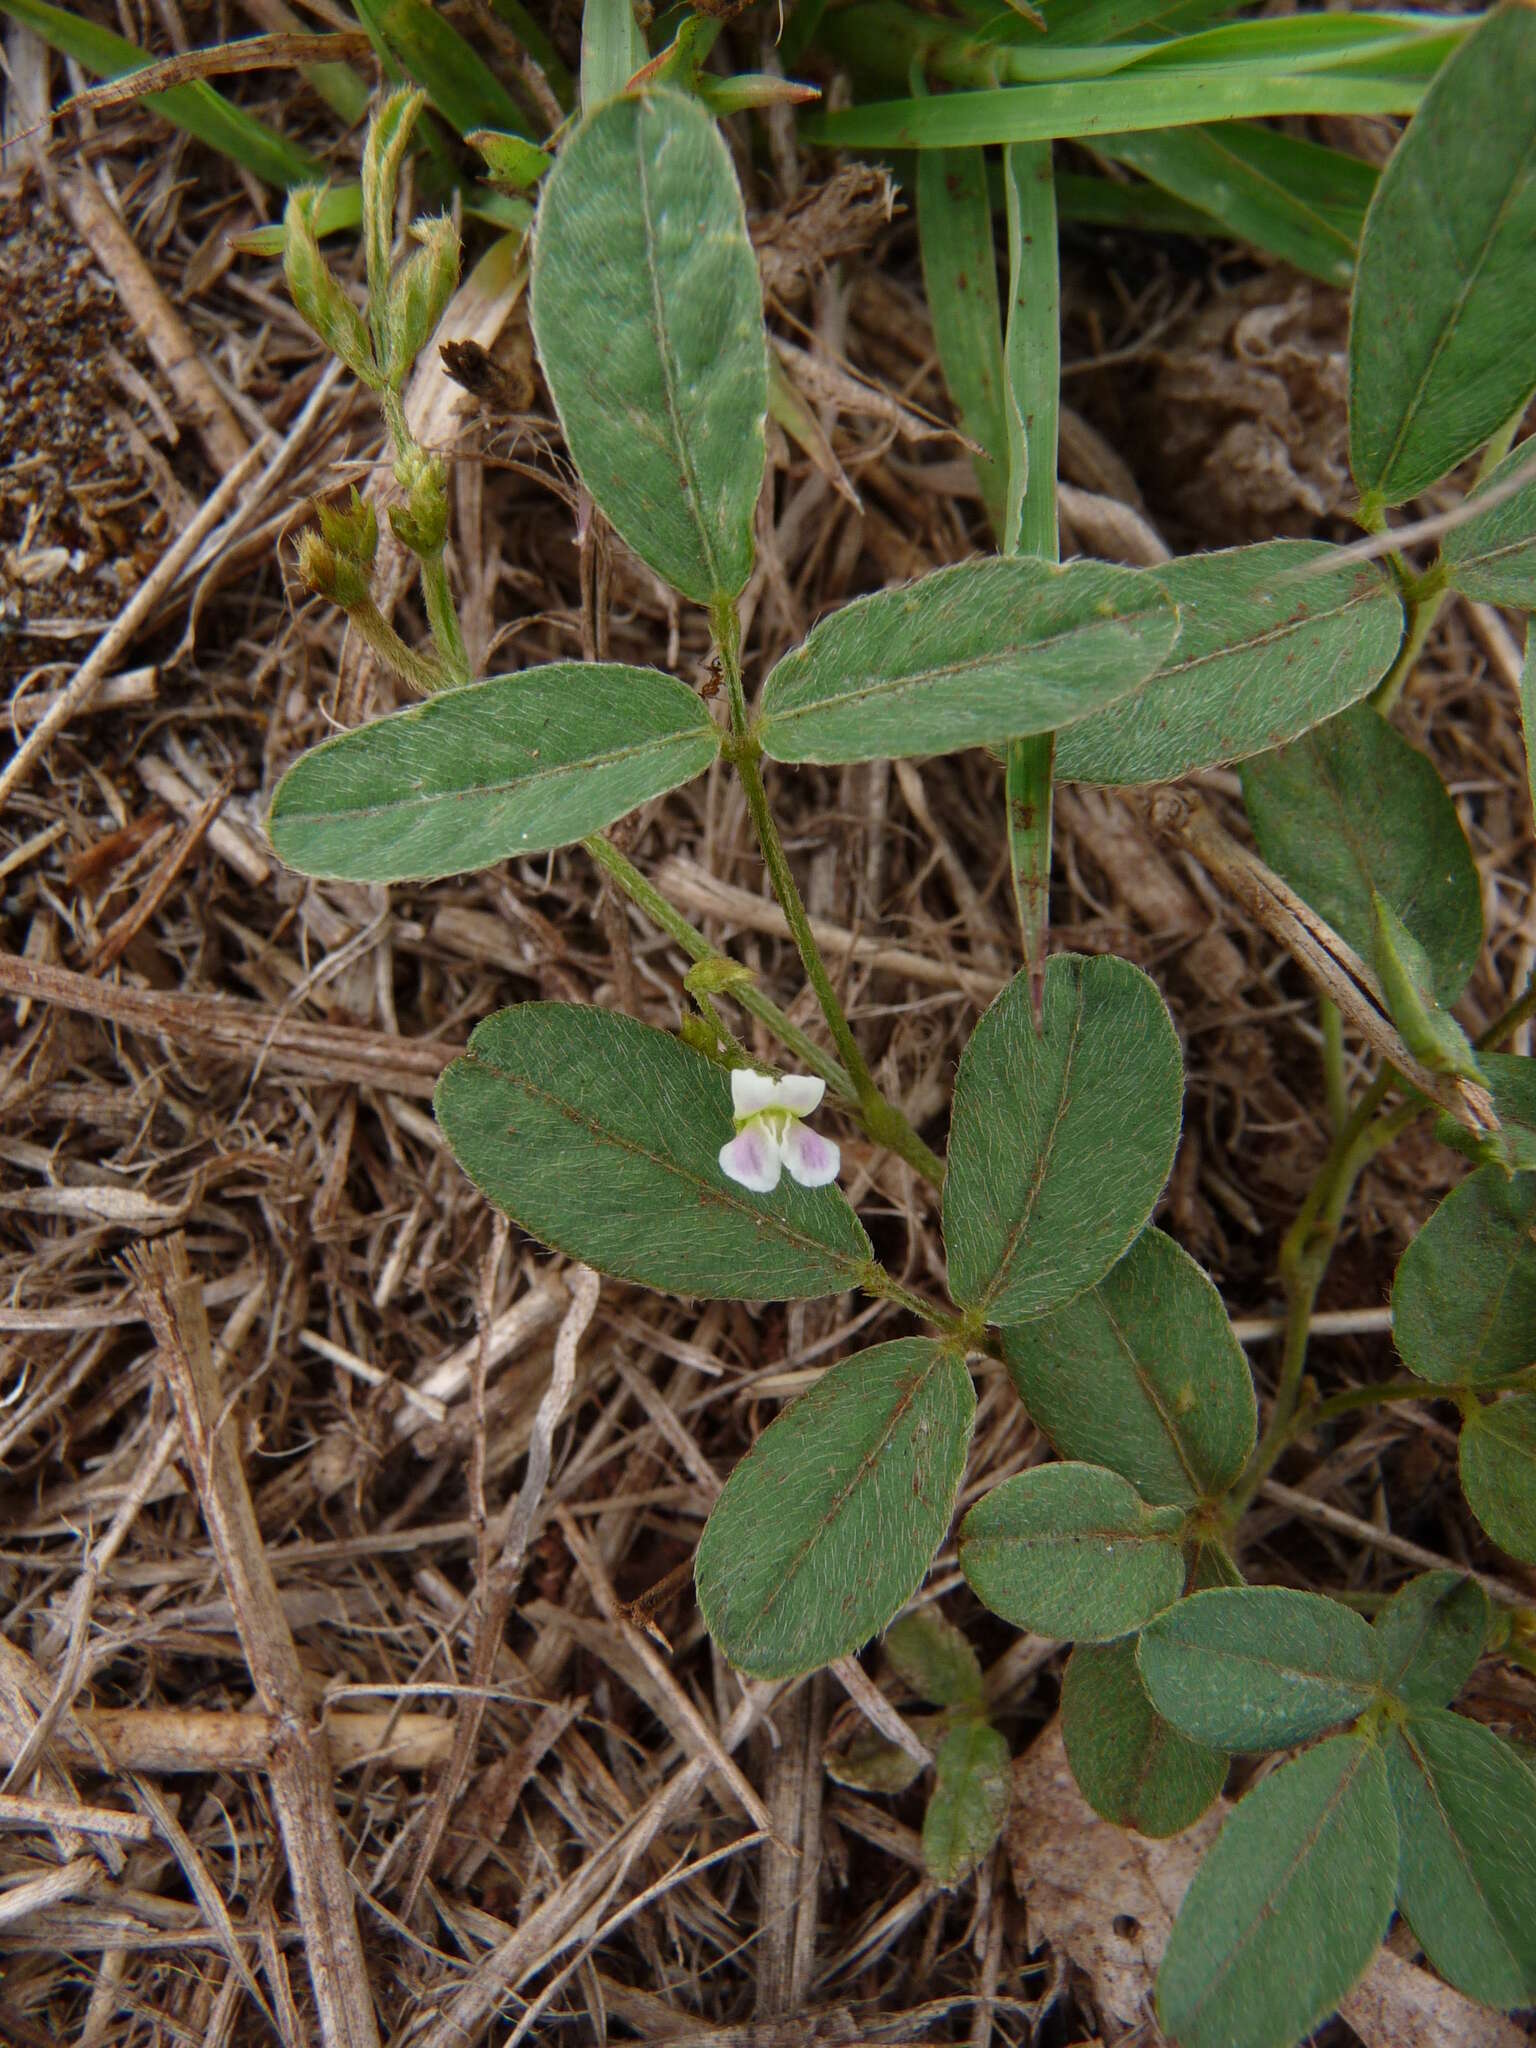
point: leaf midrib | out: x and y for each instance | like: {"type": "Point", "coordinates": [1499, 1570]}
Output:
{"type": "Point", "coordinates": [1453, 1833]}
{"type": "Point", "coordinates": [426, 801]}
{"type": "Point", "coordinates": [719, 1192]}
{"type": "Point", "coordinates": [1282, 631]}
{"type": "Point", "coordinates": [1042, 1166]}
{"type": "Point", "coordinates": [867, 689]}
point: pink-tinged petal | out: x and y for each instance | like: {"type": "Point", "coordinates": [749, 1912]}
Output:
{"type": "Point", "coordinates": [750, 1092]}
{"type": "Point", "coordinates": [800, 1094]}
{"type": "Point", "coordinates": [751, 1159]}
{"type": "Point", "coordinates": [812, 1159]}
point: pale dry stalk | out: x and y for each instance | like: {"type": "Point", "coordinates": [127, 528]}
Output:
{"type": "Point", "coordinates": [301, 1768]}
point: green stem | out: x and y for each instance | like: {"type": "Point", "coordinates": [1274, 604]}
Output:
{"type": "Point", "coordinates": [1422, 613]}
{"type": "Point", "coordinates": [1352, 1398]}
{"type": "Point", "coordinates": [1333, 1064]}
{"type": "Point", "coordinates": [1506, 1026]}
{"type": "Point", "coordinates": [443, 618]}
{"type": "Point", "coordinates": [882, 1119]}
{"type": "Point", "coordinates": [1304, 1258]}
{"type": "Point", "coordinates": [887, 1287]}
{"type": "Point", "coordinates": [420, 671]}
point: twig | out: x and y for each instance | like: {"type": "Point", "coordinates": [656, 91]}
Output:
{"type": "Point", "coordinates": [99, 663]}
{"type": "Point", "coordinates": [19, 1811]}
{"type": "Point", "coordinates": [1383, 1539]}
{"type": "Point", "coordinates": [198, 1739]}
{"type": "Point", "coordinates": [300, 1771]}
{"type": "Point", "coordinates": [240, 1030]}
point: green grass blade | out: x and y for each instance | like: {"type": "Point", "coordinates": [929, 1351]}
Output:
{"type": "Point", "coordinates": [1297, 200]}
{"type": "Point", "coordinates": [195, 108]}
{"type": "Point", "coordinates": [1106, 203]}
{"type": "Point", "coordinates": [453, 74]}
{"type": "Point", "coordinates": [1090, 108]}
{"type": "Point", "coordinates": [954, 221]}
{"type": "Point", "coordinates": [612, 49]}
{"type": "Point", "coordinates": [539, 48]}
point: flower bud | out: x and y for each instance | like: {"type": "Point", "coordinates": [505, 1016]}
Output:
{"type": "Point", "coordinates": [421, 522]}
{"type": "Point", "coordinates": [383, 153]}
{"type": "Point", "coordinates": [418, 296]}
{"type": "Point", "coordinates": [317, 294]}
{"type": "Point", "coordinates": [351, 531]}
{"type": "Point", "coordinates": [331, 575]}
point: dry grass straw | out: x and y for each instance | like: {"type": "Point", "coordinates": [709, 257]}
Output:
{"type": "Point", "coordinates": [332, 1703]}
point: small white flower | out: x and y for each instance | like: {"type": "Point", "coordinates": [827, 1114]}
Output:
{"type": "Point", "coordinates": [769, 1133]}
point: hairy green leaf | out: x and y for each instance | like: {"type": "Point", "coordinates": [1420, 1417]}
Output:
{"type": "Point", "coordinates": [1464, 1300]}
{"type": "Point", "coordinates": [1351, 808]}
{"type": "Point", "coordinates": [1061, 1139]}
{"type": "Point", "coordinates": [1288, 1907]}
{"type": "Point", "coordinates": [972, 1782]}
{"type": "Point", "coordinates": [827, 1525]}
{"type": "Point", "coordinates": [647, 309]}
{"type": "Point", "coordinates": [1442, 347]}
{"type": "Point", "coordinates": [1131, 1765]}
{"type": "Point", "coordinates": [1498, 1472]}
{"type": "Point", "coordinates": [1142, 1373]}
{"type": "Point", "coordinates": [1492, 554]}
{"type": "Point", "coordinates": [1072, 1550]}
{"type": "Point", "coordinates": [975, 654]}
{"type": "Point", "coordinates": [600, 1136]}
{"type": "Point", "coordinates": [1272, 639]}
{"type": "Point", "coordinates": [1430, 1635]}
{"type": "Point", "coordinates": [1258, 1667]}
{"type": "Point", "coordinates": [1466, 1811]}
{"type": "Point", "coordinates": [515, 765]}
{"type": "Point", "coordinates": [933, 1657]}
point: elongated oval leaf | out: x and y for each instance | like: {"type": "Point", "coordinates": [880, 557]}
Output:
{"type": "Point", "coordinates": [1353, 807]}
{"type": "Point", "coordinates": [1131, 1765]}
{"type": "Point", "coordinates": [1288, 1907]}
{"type": "Point", "coordinates": [1258, 1667]}
{"type": "Point", "coordinates": [1272, 639]}
{"type": "Point", "coordinates": [1464, 1300]}
{"type": "Point", "coordinates": [1511, 1081]}
{"type": "Point", "coordinates": [1497, 1456]}
{"type": "Point", "coordinates": [1142, 1373]}
{"type": "Point", "coordinates": [1430, 1635]}
{"type": "Point", "coordinates": [511, 766]}
{"type": "Point", "coordinates": [600, 1136]}
{"type": "Point", "coordinates": [1062, 1138]}
{"type": "Point", "coordinates": [1442, 348]}
{"type": "Point", "coordinates": [970, 656]}
{"type": "Point", "coordinates": [1466, 1813]}
{"type": "Point", "coordinates": [647, 309]}
{"type": "Point", "coordinates": [1492, 554]}
{"type": "Point", "coordinates": [1072, 1550]}
{"type": "Point", "coordinates": [826, 1527]}
{"type": "Point", "coordinates": [971, 1787]}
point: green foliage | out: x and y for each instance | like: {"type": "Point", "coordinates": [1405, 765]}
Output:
{"type": "Point", "coordinates": [1492, 554]}
{"type": "Point", "coordinates": [975, 654]}
{"type": "Point", "coordinates": [1464, 1299]}
{"type": "Point", "coordinates": [1352, 811]}
{"type": "Point", "coordinates": [600, 1136]}
{"type": "Point", "coordinates": [1407, 976]}
{"type": "Point", "coordinates": [1511, 1081]}
{"type": "Point", "coordinates": [1131, 1765]}
{"type": "Point", "coordinates": [1429, 1637]}
{"type": "Point", "coordinates": [826, 1527]}
{"type": "Point", "coordinates": [1061, 1139]}
{"type": "Point", "coordinates": [934, 1659]}
{"type": "Point", "coordinates": [1287, 1908]}
{"type": "Point", "coordinates": [1301, 202]}
{"type": "Point", "coordinates": [1143, 1374]}
{"type": "Point", "coordinates": [1497, 1456]}
{"type": "Point", "coordinates": [1273, 639]}
{"type": "Point", "coordinates": [971, 1784]}
{"type": "Point", "coordinates": [1259, 1667]}
{"type": "Point", "coordinates": [647, 310]}
{"type": "Point", "coordinates": [511, 766]}
{"type": "Point", "coordinates": [1466, 1812]}
{"type": "Point", "coordinates": [195, 108]}
{"type": "Point", "coordinates": [1442, 347]}
{"type": "Point", "coordinates": [954, 220]}
{"type": "Point", "coordinates": [1072, 1550]}
{"type": "Point", "coordinates": [414, 38]}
